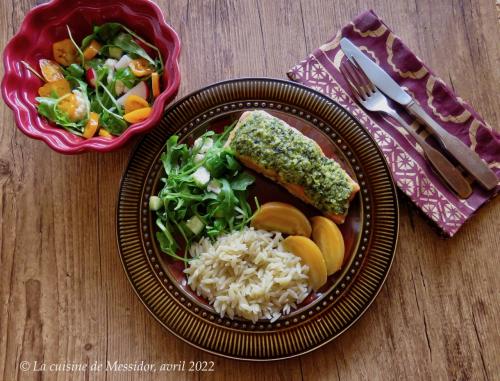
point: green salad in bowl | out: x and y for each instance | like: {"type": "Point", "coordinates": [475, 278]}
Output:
{"type": "Point", "coordinates": [102, 85]}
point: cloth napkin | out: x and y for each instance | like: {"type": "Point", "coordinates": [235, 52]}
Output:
{"type": "Point", "coordinates": [411, 172]}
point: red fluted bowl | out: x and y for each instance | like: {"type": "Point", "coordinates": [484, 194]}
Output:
{"type": "Point", "coordinates": [44, 25]}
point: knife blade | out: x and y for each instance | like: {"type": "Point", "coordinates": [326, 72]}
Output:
{"type": "Point", "coordinates": [378, 76]}
{"type": "Point", "coordinates": [469, 159]}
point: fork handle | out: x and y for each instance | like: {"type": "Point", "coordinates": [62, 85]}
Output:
{"type": "Point", "coordinates": [469, 159]}
{"type": "Point", "coordinates": [445, 168]}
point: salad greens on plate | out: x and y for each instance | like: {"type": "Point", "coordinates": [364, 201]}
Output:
{"type": "Point", "coordinates": [204, 192]}
{"type": "Point", "coordinates": [101, 86]}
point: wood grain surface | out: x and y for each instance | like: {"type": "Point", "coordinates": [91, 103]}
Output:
{"type": "Point", "coordinates": [64, 297]}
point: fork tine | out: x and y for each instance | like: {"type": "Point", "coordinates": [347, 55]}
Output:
{"type": "Point", "coordinates": [365, 80]}
{"type": "Point", "coordinates": [356, 79]}
{"type": "Point", "coordinates": [348, 77]}
{"type": "Point", "coordinates": [351, 80]}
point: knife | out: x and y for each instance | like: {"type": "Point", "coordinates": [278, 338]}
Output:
{"type": "Point", "coordinates": [463, 154]}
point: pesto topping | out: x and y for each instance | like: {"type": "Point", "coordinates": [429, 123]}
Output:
{"type": "Point", "coordinates": [298, 160]}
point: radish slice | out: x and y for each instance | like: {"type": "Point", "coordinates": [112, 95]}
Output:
{"type": "Point", "coordinates": [123, 62]}
{"type": "Point", "coordinates": [91, 76]}
{"type": "Point", "coordinates": [141, 89]}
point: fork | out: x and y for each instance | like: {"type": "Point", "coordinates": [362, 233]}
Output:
{"type": "Point", "coordinates": [373, 100]}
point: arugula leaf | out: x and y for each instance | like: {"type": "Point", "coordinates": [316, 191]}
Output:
{"type": "Point", "coordinates": [126, 42]}
{"type": "Point", "coordinates": [214, 163]}
{"type": "Point", "coordinates": [126, 76]}
{"type": "Point", "coordinates": [101, 71]}
{"type": "Point", "coordinates": [242, 181]}
{"type": "Point", "coordinates": [46, 107]}
{"type": "Point", "coordinates": [226, 200]}
{"type": "Point", "coordinates": [104, 33]}
{"type": "Point", "coordinates": [108, 31]}
{"type": "Point", "coordinates": [159, 61]}
{"type": "Point", "coordinates": [95, 63]}
{"type": "Point", "coordinates": [74, 70]}
{"type": "Point", "coordinates": [167, 242]}
{"type": "Point", "coordinates": [111, 123]}
{"type": "Point", "coordinates": [231, 162]}
{"type": "Point", "coordinates": [172, 153]}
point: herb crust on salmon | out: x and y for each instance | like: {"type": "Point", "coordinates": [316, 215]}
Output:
{"type": "Point", "coordinates": [270, 146]}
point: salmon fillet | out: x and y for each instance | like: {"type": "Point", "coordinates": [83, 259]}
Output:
{"type": "Point", "coordinates": [271, 147]}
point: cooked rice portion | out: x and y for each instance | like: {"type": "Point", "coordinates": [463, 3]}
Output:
{"type": "Point", "coordinates": [248, 273]}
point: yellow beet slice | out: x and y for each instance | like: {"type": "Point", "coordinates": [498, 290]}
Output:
{"type": "Point", "coordinates": [65, 52]}
{"type": "Point", "coordinates": [69, 106]}
{"type": "Point", "coordinates": [155, 84]}
{"type": "Point", "coordinates": [329, 239]}
{"type": "Point", "coordinates": [134, 102]}
{"type": "Point", "coordinates": [91, 126]}
{"type": "Point", "coordinates": [92, 50]}
{"type": "Point", "coordinates": [311, 255]}
{"type": "Point", "coordinates": [105, 134]}
{"type": "Point", "coordinates": [138, 115]}
{"type": "Point", "coordinates": [59, 87]}
{"type": "Point", "coordinates": [281, 217]}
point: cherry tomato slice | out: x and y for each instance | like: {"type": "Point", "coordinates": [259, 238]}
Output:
{"type": "Point", "coordinates": [140, 67]}
{"type": "Point", "coordinates": [51, 71]}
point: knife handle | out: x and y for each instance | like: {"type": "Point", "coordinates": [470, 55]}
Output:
{"type": "Point", "coordinates": [463, 154]}
{"type": "Point", "coordinates": [445, 168]}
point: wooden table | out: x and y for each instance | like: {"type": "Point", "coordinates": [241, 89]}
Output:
{"type": "Point", "coordinates": [64, 297]}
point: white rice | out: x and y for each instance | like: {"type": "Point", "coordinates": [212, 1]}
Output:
{"type": "Point", "coordinates": [248, 273]}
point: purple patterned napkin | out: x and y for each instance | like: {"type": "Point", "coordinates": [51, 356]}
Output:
{"type": "Point", "coordinates": [411, 172]}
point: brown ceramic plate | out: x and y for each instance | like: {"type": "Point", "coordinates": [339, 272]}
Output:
{"type": "Point", "coordinates": [370, 230]}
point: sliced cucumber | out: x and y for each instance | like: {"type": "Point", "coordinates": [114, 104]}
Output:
{"type": "Point", "coordinates": [201, 177]}
{"type": "Point", "coordinates": [198, 157]}
{"type": "Point", "coordinates": [115, 52]}
{"type": "Point", "coordinates": [195, 225]}
{"type": "Point", "coordinates": [214, 186]}
{"type": "Point", "coordinates": [155, 203]}
{"type": "Point", "coordinates": [203, 144]}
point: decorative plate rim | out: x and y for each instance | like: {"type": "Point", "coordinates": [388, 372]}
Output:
{"type": "Point", "coordinates": [346, 291]}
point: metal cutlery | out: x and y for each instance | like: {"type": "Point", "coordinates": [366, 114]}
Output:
{"type": "Point", "coordinates": [463, 154]}
{"type": "Point", "coordinates": [373, 100]}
